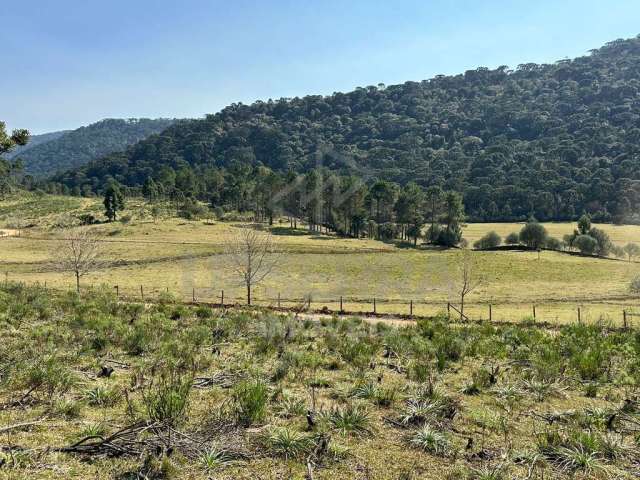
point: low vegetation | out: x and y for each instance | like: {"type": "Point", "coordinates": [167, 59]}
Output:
{"type": "Point", "coordinates": [95, 388]}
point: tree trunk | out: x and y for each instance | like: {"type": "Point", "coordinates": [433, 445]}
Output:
{"type": "Point", "coordinates": [78, 282]}
{"type": "Point", "coordinates": [248, 294]}
{"type": "Point", "coordinates": [462, 308]}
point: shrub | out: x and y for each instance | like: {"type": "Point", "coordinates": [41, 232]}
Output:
{"type": "Point", "coordinates": [512, 239]}
{"type": "Point", "coordinates": [67, 408]}
{"type": "Point", "coordinates": [604, 244]}
{"type": "Point", "coordinates": [250, 401]}
{"type": "Point", "coordinates": [102, 397]}
{"type": "Point", "coordinates": [288, 443]}
{"type": "Point", "coordinates": [352, 419]}
{"type": "Point", "coordinates": [490, 240]}
{"type": "Point", "coordinates": [586, 244]}
{"type": "Point", "coordinates": [192, 210]}
{"type": "Point", "coordinates": [166, 399]}
{"type": "Point", "coordinates": [553, 244]}
{"type": "Point", "coordinates": [634, 286]}
{"type": "Point", "coordinates": [51, 377]}
{"type": "Point", "coordinates": [431, 440]}
{"type": "Point", "coordinates": [533, 235]}
{"type": "Point", "coordinates": [215, 458]}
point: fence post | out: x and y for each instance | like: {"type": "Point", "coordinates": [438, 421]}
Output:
{"type": "Point", "coordinates": [579, 316]}
{"type": "Point", "coordinates": [117, 291]}
{"type": "Point", "coordinates": [534, 312]}
{"type": "Point", "coordinates": [222, 298]}
{"type": "Point", "coordinates": [624, 318]}
{"type": "Point", "coordinates": [411, 308]}
{"type": "Point", "coordinates": [141, 293]}
{"type": "Point", "coordinates": [374, 305]}
{"type": "Point", "coordinates": [448, 310]}
{"type": "Point", "coordinates": [193, 294]}
{"type": "Point", "coordinates": [341, 309]}
{"type": "Point", "coordinates": [490, 314]}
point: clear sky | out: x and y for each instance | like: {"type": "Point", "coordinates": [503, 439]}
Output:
{"type": "Point", "coordinates": [67, 63]}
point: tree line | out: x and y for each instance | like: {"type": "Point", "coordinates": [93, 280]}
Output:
{"type": "Point", "coordinates": [322, 200]}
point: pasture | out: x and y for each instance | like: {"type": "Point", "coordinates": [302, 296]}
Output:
{"type": "Point", "coordinates": [96, 388]}
{"type": "Point", "coordinates": [186, 258]}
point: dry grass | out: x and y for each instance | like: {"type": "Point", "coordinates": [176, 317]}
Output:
{"type": "Point", "coordinates": [178, 256]}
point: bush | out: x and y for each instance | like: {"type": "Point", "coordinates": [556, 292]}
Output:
{"type": "Point", "coordinates": [490, 240]}
{"type": "Point", "coordinates": [87, 219]}
{"type": "Point", "coordinates": [166, 399]}
{"type": "Point", "coordinates": [352, 419]}
{"type": "Point", "coordinates": [533, 235]}
{"type": "Point", "coordinates": [431, 441]}
{"type": "Point", "coordinates": [512, 239]}
{"type": "Point", "coordinates": [603, 241]}
{"type": "Point", "coordinates": [250, 402]}
{"type": "Point", "coordinates": [192, 210]}
{"type": "Point", "coordinates": [586, 244]}
{"type": "Point", "coordinates": [553, 244]}
{"type": "Point", "coordinates": [288, 443]}
{"type": "Point", "coordinates": [634, 287]}
{"type": "Point", "coordinates": [449, 237]}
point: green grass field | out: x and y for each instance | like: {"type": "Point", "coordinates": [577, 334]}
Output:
{"type": "Point", "coordinates": [182, 256]}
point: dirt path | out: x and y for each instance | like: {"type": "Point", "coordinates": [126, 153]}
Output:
{"type": "Point", "coordinates": [9, 232]}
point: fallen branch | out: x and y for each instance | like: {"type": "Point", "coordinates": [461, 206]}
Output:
{"type": "Point", "coordinates": [20, 425]}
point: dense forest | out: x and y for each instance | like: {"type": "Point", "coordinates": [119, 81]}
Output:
{"type": "Point", "coordinates": [552, 141]}
{"type": "Point", "coordinates": [34, 141]}
{"type": "Point", "coordinates": [50, 153]}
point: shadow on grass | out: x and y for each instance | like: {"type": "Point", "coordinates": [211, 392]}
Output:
{"type": "Point", "coordinates": [294, 232]}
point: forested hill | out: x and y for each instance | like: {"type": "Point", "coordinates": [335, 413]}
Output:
{"type": "Point", "coordinates": [50, 153]}
{"type": "Point", "coordinates": [34, 141]}
{"type": "Point", "coordinates": [550, 140]}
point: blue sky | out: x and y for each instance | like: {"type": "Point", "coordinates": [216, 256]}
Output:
{"type": "Point", "coordinates": [67, 63]}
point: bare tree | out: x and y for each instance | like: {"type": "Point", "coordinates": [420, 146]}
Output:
{"type": "Point", "coordinates": [79, 253]}
{"type": "Point", "coordinates": [252, 257]}
{"type": "Point", "coordinates": [469, 279]}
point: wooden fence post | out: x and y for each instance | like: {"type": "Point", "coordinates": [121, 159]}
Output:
{"type": "Point", "coordinates": [222, 298]}
{"type": "Point", "coordinates": [449, 310]}
{"type": "Point", "coordinates": [278, 299]}
{"type": "Point", "coordinates": [490, 314]}
{"type": "Point", "coordinates": [374, 305]}
{"type": "Point", "coordinates": [141, 293]}
{"type": "Point", "coordinates": [579, 315]}
{"type": "Point", "coordinates": [341, 309]}
{"type": "Point", "coordinates": [411, 308]}
{"type": "Point", "coordinates": [624, 318]}
{"type": "Point", "coordinates": [193, 294]}
{"type": "Point", "coordinates": [534, 312]}
{"type": "Point", "coordinates": [117, 291]}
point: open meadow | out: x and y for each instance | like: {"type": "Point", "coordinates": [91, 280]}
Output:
{"type": "Point", "coordinates": [187, 259]}
{"type": "Point", "coordinates": [95, 388]}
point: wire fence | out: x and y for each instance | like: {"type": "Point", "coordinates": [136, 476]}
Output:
{"type": "Point", "coordinates": [616, 313]}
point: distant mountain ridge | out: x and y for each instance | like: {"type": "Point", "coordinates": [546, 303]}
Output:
{"type": "Point", "coordinates": [549, 140]}
{"type": "Point", "coordinates": [49, 153]}
{"type": "Point", "coordinates": [34, 141]}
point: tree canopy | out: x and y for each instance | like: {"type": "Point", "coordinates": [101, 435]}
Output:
{"type": "Point", "coordinates": [551, 140]}
{"type": "Point", "coordinates": [61, 151]}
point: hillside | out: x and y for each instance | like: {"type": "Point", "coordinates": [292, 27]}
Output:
{"type": "Point", "coordinates": [550, 140]}
{"type": "Point", "coordinates": [34, 141]}
{"type": "Point", "coordinates": [49, 153]}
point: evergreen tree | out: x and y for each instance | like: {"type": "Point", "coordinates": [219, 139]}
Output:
{"type": "Point", "coordinates": [113, 201]}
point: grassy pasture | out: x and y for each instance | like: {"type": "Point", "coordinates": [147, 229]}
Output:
{"type": "Point", "coordinates": [450, 403]}
{"type": "Point", "coordinates": [180, 256]}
